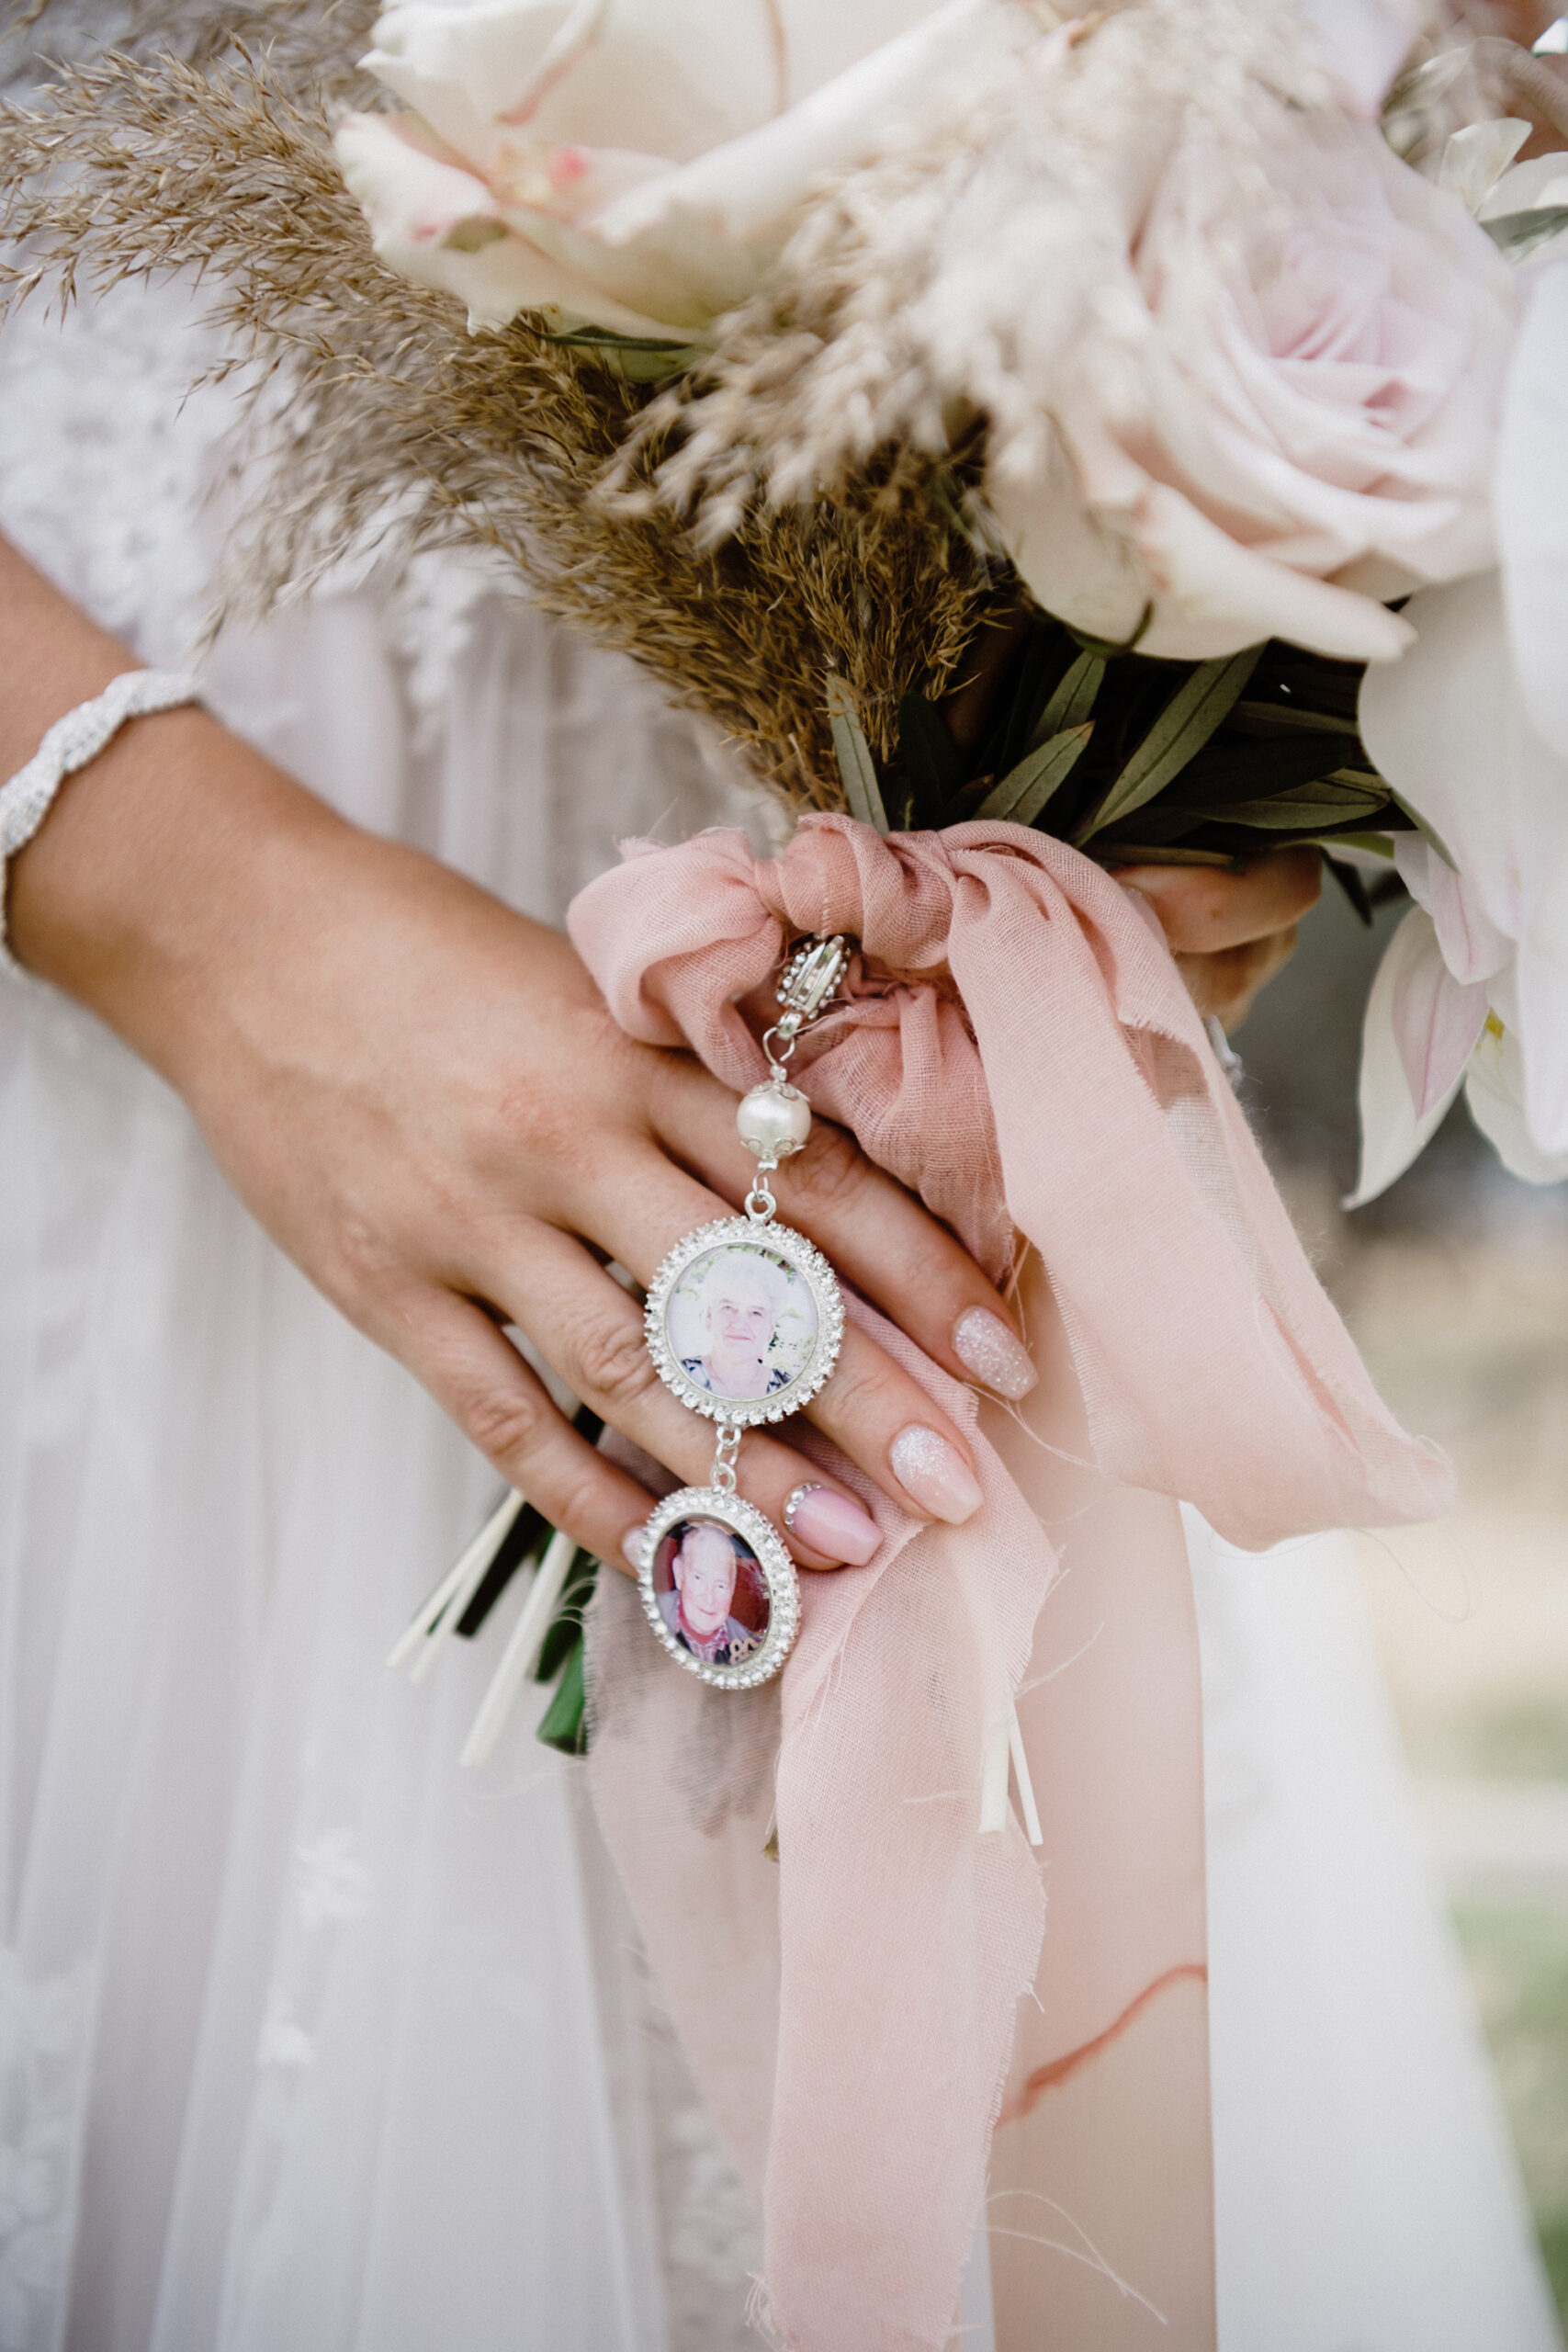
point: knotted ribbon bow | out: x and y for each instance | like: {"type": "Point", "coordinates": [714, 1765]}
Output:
{"type": "Point", "coordinates": [1018, 1048]}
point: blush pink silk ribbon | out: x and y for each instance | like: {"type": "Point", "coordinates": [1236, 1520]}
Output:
{"type": "Point", "coordinates": [1018, 1050]}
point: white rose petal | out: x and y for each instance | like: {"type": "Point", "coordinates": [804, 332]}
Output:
{"type": "Point", "coordinates": [666, 77]}
{"type": "Point", "coordinates": [441, 227]}
{"type": "Point", "coordinates": [753, 187]}
{"type": "Point", "coordinates": [645, 158]}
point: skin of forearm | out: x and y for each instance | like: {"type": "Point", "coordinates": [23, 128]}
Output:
{"type": "Point", "coordinates": [139, 881]}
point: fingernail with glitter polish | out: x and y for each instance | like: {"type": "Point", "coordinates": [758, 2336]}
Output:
{"type": "Point", "coordinates": [633, 1544]}
{"type": "Point", "coordinates": [934, 1475]}
{"type": "Point", "coordinates": [834, 1526]}
{"type": "Point", "coordinates": [991, 1353]}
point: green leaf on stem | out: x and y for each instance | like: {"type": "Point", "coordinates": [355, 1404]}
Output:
{"type": "Point", "coordinates": [856, 766]}
{"type": "Point", "coordinates": [1285, 719]}
{"type": "Point", "coordinates": [1073, 700]}
{"type": "Point", "coordinates": [564, 1724]}
{"type": "Point", "coordinates": [1287, 811]}
{"type": "Point", "coordinates": [1184, 725]}
{"type": "Point", "coordinates": [1023, 793]}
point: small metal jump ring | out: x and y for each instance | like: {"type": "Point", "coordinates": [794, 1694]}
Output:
{"type": "Point", "coordinates": [728, 1447]}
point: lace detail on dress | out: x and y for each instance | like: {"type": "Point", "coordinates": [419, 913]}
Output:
{"type": "Point", "coordinates": [106, 458]}
{"type": "Point", "coordinates": [44, 2025]}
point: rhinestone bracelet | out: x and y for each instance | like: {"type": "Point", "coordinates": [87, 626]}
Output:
{"type": "Point", "coordinates": [70, 743]}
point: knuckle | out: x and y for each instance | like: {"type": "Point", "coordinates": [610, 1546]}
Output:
{"type": "Point", "coordinates": [579, 1506]}
{"type": "Point", "coordinates": [362, 1251]}
{"type": "Point", "coordinates": [365, 1274]}
{"type": "Point", "coordinates": [830, 1171]}
{"type": "Point", "coordinates": [858, 1397]}
{"type": "Point", "coordinates": [608, 1360]}
{"type": "Point", "coordinates": [507, 1424]}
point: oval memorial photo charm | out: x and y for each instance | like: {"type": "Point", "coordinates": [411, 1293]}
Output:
{"type": "Point", "coordinates": [719, 1588]}
{"type": "Point", "coordinates": [745, 1322]}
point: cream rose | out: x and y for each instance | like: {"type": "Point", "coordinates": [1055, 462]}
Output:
{"type": "Point", "coordinates": [633, 165]}
{"type": "Point", "coordinates": [1283, 407]}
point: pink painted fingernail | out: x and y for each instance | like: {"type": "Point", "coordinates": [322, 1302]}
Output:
{"type": "Point", "coordinates": [935, 1475]}
{"type": "Point", "coordinates": [833, 1524]}
{"type": "Point", "coordinates": [992, 1351]}
{"type": "Point", "coordinates": [634, 1543]}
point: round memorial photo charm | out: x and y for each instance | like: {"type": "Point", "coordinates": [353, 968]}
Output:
{"type": "Point", "coordinates": [744, 1322]}
{"type": "Point", "coordinates": [718, 1588]}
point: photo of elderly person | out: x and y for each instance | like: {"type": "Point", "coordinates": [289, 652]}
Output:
{"type": "Point", "coordinates": [699, 1565]}
{"type": "Point", "coordinates": [741, 1323]}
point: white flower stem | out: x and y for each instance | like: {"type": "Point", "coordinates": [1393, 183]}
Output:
{"type": "Point", "coordinates": [456, 1589]}
{"type": "Point", "coordinates": [517, 1659]}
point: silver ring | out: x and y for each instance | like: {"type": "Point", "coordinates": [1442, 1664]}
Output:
{"type": "Point", "coordinates": [810, 1486]}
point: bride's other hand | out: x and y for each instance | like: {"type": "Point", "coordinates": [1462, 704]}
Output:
{"type": "Point", "coordinates": [423, 1098]}
{"type": "Point", "coordinates": [1229, 932]}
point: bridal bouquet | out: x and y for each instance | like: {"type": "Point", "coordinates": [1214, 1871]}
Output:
{"type": "Point", "coordinates": [1191, 373]}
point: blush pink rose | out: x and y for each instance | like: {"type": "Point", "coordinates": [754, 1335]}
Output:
{"type": "Point", "coordinates": [1283, 411]}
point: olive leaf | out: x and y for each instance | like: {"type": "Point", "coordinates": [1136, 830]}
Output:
{"type": "Point", "coordinates": [1307, 805]}
{"type": "Point", "coordinates": [1073, 700]}
{"type": "Point", "coordinates": [855, 763]}
{"type": "Point", "coordinates": [1184, 725]}
{"type": "Point", "coordinates": [1024, 792]}
{"type": "Point", "coordinates": [1285, 719]}
{"type": "Point", "coordinates": [1253, 771]}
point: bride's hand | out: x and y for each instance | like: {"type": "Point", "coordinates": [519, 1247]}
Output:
{"type": "Point", "coordinates": [1230, 933]}
{"type": "Point", "coordinates": [422, 1097]}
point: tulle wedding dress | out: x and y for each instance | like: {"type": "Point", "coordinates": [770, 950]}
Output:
{"type": "Point", "coordinates": [308, 2042]}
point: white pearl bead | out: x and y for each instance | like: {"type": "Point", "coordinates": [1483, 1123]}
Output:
{"type": "Point", "coordinates": [773, 1121]}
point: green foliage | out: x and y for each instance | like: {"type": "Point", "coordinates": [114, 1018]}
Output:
{"type": "Point", "coordinates": [1181, 731]}
{"type": "Point", "coordinates": [564, 1723]}
{"type": "Point", "coordinates": [1137, 759]}
{"type": "Point", "coordinates": [1024, 790]}
{"type": "Point", "coordinates": [862, 795]}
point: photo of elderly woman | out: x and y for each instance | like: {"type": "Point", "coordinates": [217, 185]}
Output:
{"type": "Point", "coordinates": [712, 1592]}
{"type": "Point", "coordinates": [741, 1322]}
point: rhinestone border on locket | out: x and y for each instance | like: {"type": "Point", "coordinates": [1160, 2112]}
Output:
{"type": "Point", "coordinates": [807, 1260]}
{"type": "Point", "coordinates": [778, 1571]}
